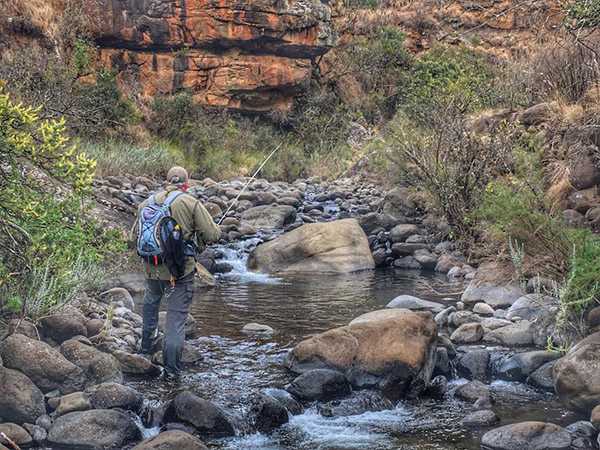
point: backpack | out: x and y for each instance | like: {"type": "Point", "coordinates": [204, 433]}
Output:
{"type": "Point", "coordinates": [160, 240]}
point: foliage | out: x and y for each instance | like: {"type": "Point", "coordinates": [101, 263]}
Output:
{"type": "Point", "coordinates": [582, 13]}
{"type": "Point", "coordinates": [365, 4]}
{"type": "Point", "coordinates": [46, 236]}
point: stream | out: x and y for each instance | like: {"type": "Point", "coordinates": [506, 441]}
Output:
{"type": "Point", "coordinates": [296, 307]}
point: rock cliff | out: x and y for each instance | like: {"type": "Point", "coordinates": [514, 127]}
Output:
{"type": "Point", "coordinates": [249, 55]}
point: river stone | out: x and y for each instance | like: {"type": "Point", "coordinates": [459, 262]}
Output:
{"type": "Point", "coordinates": [77, 401]}
{"type": "Point", "coordinates": [204, 416]}
{"type": "Point", "coordinates": [266, 413]}
{"type": "Point", "coordinates": [46, 367]}
{"type": "Point", "coordinates": [442, 363]}
{"type": "Point", "coordinates": [493, 324]}
{"type": "Point", "coordinates": [398, 204]}
{"type": "Point", "coordinates": [527, 435]}
{"type": "Point", "coordinates": [171, 440]}
{"type": "Point", "coordinates": [518, 334]}
{"type": "Point", "coordinates": [24, 327]}
{"type": "Point", "coordinates": [99, 367]}
{"type": "Point", "coordinates": [20, 399]}
{"type": "Point", "coordinates": [460, 318]}
{"type": "Point", "coordinates": [520, 366]}
{"type": "Point", "coordinates": [118, 294]}
{"type": "Point", "coordinates": [481, 418]}
{"type": "Point", "coordinates": [286, 399]}
{"type": "Point", "coordinates": [400, 232]}
{"type": "Point", "coordinates": [397, 355]}
{"type": "Point", "coordinates": [114, 395]}
{"type": "Point", "coordinates": [44, 421]}
{"type": "Point", "coordinates": [319, 384]}
{"type": "Point", "coordinates": [407, 262]}
{"type": "Point", "coordinates": [381, 314]}
{"type": "Point", "coordinates": [190, 354]}
{"type": "Point", "coordinates": [407, 248]}
{"type": "Point", "coordinates": [467, 333]}
{"type": "Point", "coordinates": [595, 417]}
{"type": "Point", "coordinates": [576, 379]}
{"type": "Point", "coordinates": [542, 377]}
{"type": "Point", "coordinates": [372, 221]}
{"type": "Point", "coordinates": [427, 259]}
{"type": "Point", "coordinates": [442, 317]}
{"type": "Point", "coordinates": [334, 247]}
{"type": "Point", "coordinates": [359, 402]}
{"type": "Point", "coordinates": [94, 429]}
{"type": "Point", "coordinates": [497, 296]}
{"type": "Point", "coordinates": [64, 323]}
{"type": "Point", "coordinates": [37, 433]}
{"type": "Point", "coordinates": [483, 309]}
{"type": "Point", "coordinates": [530, 306]}
{"type": "Point", "coordinates": [415, 304]}
{"type": "Point", "coordinates": [16, 434]}
{"type": "Point", "coordinates": [269, 216]}
{"type": "Point", "coordinates": [189, 329]}
{"type": "Point", "coordinates": [472, 391]}
{"type": "Point", "coordinates": [257, 328]}
{"type": "Point", "coordinates": [136, 364]}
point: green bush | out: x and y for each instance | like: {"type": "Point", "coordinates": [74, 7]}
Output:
{"type": "Point", "coordinates": [582, 13]}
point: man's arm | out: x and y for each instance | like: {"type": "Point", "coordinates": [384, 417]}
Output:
{"type": "Point", "coordinates": [204, 226]}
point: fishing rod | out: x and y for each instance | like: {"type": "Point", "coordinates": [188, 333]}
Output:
{"type": "Point", "coordinates": [247, 184]}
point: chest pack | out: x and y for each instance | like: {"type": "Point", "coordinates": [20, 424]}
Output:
{"type": "Point", "coordinates": [160, 238]}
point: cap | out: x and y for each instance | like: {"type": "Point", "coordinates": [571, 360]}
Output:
{"type": "Point", "coordinates": [177, 175]}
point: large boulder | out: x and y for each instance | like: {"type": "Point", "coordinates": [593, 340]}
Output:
{"type": "Point", "coordinates": [204, 416]}
{"type": "Point", "coordinates": [380, 314]}
{"type": "Point", "coordinates": [399, 204]}
{"type": "Point", "coordinates": [488, 287]}
{"type": "Point", "coordinates": [415, 304]}
{"type": "Point", "coordinates": [20, 399]}
{"type": "Point", "coordinates": [99, 367]}
{"type": "Point", "coordinates": [266, 413]}
{"type": "Point", "coordinates": [114, 395]}
{"type": "Point", "coordinates": [171, 440]}
{"type": "Point", "coordinates": [576, 379]}
{"type": "Point", "coordinates": [400, 232]}
{"type": "Point", "coordinates": [93, 429]}
{"type": "Point", "coordinates": [518, 334]}
{"type": "Point", "coordinates": [397, 355]}
{"type": "Point", "coordinates": [527, 435]}
{"type": "Point", "coordinates": [269, 216]}
{"type": "Point", "coordinates": [319, 384]}
{"type": "Point", "coordinates": [334, 247]}
{"type": "Point", "coordinates": [64, 323]}
{"type": "Point", "coordinates": [16, 434]}
{"type": "Point", "coordinates": [518, 367]}
{"type": "Point", "coordinates": [46, 367]}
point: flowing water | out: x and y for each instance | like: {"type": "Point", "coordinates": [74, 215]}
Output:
{"type": "Point", "coordinates": [237, 364]}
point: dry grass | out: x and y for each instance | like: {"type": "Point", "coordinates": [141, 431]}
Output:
{"type": "Point", "coordinates": [44, 14]}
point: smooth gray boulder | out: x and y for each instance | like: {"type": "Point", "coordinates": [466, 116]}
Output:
{"type": "Point", "coordinates": [530, 306]}
{"type": "Point", "coordinates": [20, 399]}
{"type": "Point", "coordinates": [319, 384]}
{"type": "Point", "coordinates": [415, 304]}
{"type": "Point", "coordinates": [518, 367]}
{"type": "Point", "coordinates": [171, 440]}
{"type": "Point", "coordinates": [518, 334]}
{"type": "Point", "coordinates": [527, 436]}
{"type": "Point", "coordinates": [204, 416]}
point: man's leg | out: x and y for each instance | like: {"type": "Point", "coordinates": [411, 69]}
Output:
{"type": "Point", "coordinates": [178, 306]}
{"type": "Point", "coordinates": [151, 305]}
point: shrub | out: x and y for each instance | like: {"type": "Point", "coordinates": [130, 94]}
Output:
{"type": "Point", "coordinates": [45, 229]}
{"type": "Point", "coordinates": [582, 14]}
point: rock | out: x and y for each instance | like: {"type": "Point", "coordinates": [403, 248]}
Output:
{"type": "Point", "coordinates": [46, 367]}
{"type": "Point", "coordinates": [494, 324]}
{"type": "Point", "coordinates": [460, 318]}
{"type": "Point", "coordinates": [286, 400]}
{"type": "Point", "coordinates": [593, 318]}
{"type": "Point", "coordinates": [400, 232]}
{"type": "Point", "coordinates": [77, 401]}
{"type": "Point", "coordinates": [213, 209]}
{"type": "Point", "coordinates": [573, 218]}
{"type": "Point", "coordinates": [414, 304]}
{"type": "Point", "coordinates": [171, 440]}
{"type": "Point", "coordinates": [269, 216]}
{"type": "Point", "coordinates": [37, 433]}
{"type": "Point", "coordinates": [44, 421]}
{"type": "Point", "coordinates": [203, 415]}
{"type": "Point", "coordinates": [398, 204]}
{"type": "Point", "coordinates": [527, 435]}
{"type": "Point", "coordinates": [16, 434]}
{"type": "Point", "coordinates": [319, 384]}
{"type": "Point", "coordinates": [521, 365]}
{"type": "Point", "coordinates": [396, 355]}
{"type": "Point", "coordinates": [337, 247]}
{"type": "Point", "coordinates": [373, 221]}
{"type": "Point", "coordinates": [497, 296]}
{"type": "Point", "coordinates": [24, 327]}
{"type": "Point", "coordinates": [542, 377]}
{"type": "Point", "coordinates": [537, 114]}
{"type": "Point", "coordinates": [97, 428]}
{"type": "Point", "coordinates": [578, 202]}
{"type": "Point", "coordinates": [427, 259]}
{"type": "Point", "coordinates": [518, 334]}
{"type": "Point", "coordinates": [530, 306]}
{"type": "Point", "coordinates": [190, 327]}
{"type": "Point", "coordinates": [94, 327]}
{"type": "Point", "coordinates": [595, 417]}
{"type": "Point", "coordinates": [20, 399]}
{"type": "Point", "coordinates": [584, 173]}
{"type": "Point", "coordinates": [266, 413]}
{"type": "Point", "coordinates": [446, 263]}
{"type": "Point", "coordinates": [582, 433]}
{"type": "Point", "coordinates": [472, 391]}
{"type": "Point", "coordinates": [481, 418]}
{"type": "Point", "coordinates": [407, 249]}
{"type": "Point", "coordinates": [64, 323]}
{"type": "Point", "coordinates": [135, 364]}
{"type": "Point", "coordinates": [99, 367]}
{"type": "Point", "coordinates": [381, 314]}
{"type": "Point", "coordinates": [359, 402]}
{"type": "Point", "coordinates": [257, 328]}
{"type": "Point", "coordinates": [190, 355]}
{"type": "Point", "coordinates": [467, 333]}
{"type": "Point", "coordinates": [442, 317]}
{"type": "Point", "coordinates": [118, 294]}
{"type": "Point", "coordinates": [474, 364]}
{"type": "Point", "coordinates": [576, 378]}
{"type": "Point", "coordinates": [483, 309]}
{"type": "Point", "coordinates": [442, 363]}
{"type": "Point", "coordinates": [540, 284]}
{"type": "Point", "coordinates": [407, 262]}
{"type": "Point", "coordinates": [114, 395]}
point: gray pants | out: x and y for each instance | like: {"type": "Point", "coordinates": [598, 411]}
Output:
{"type": "Point", "coordinates": [178, 306]}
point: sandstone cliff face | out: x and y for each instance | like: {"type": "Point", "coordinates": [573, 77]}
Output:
{"type": "Point", "coordinates": [250, 55]}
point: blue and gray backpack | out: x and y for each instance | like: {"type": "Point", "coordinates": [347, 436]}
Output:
{"type": "Point", "coordinates": [160, 240]}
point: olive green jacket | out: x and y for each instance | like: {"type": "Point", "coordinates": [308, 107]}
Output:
{"type": "Point", "coordinates": [196, 224]}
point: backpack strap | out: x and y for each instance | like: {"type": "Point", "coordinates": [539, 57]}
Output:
{"type": "Point", "coordinates": [171, 199]}
{"type": "Point", "coordinates": [152, 200]}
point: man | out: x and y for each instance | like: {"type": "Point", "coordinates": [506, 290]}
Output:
{"type": "Point", "coordinates": [196, 225]}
